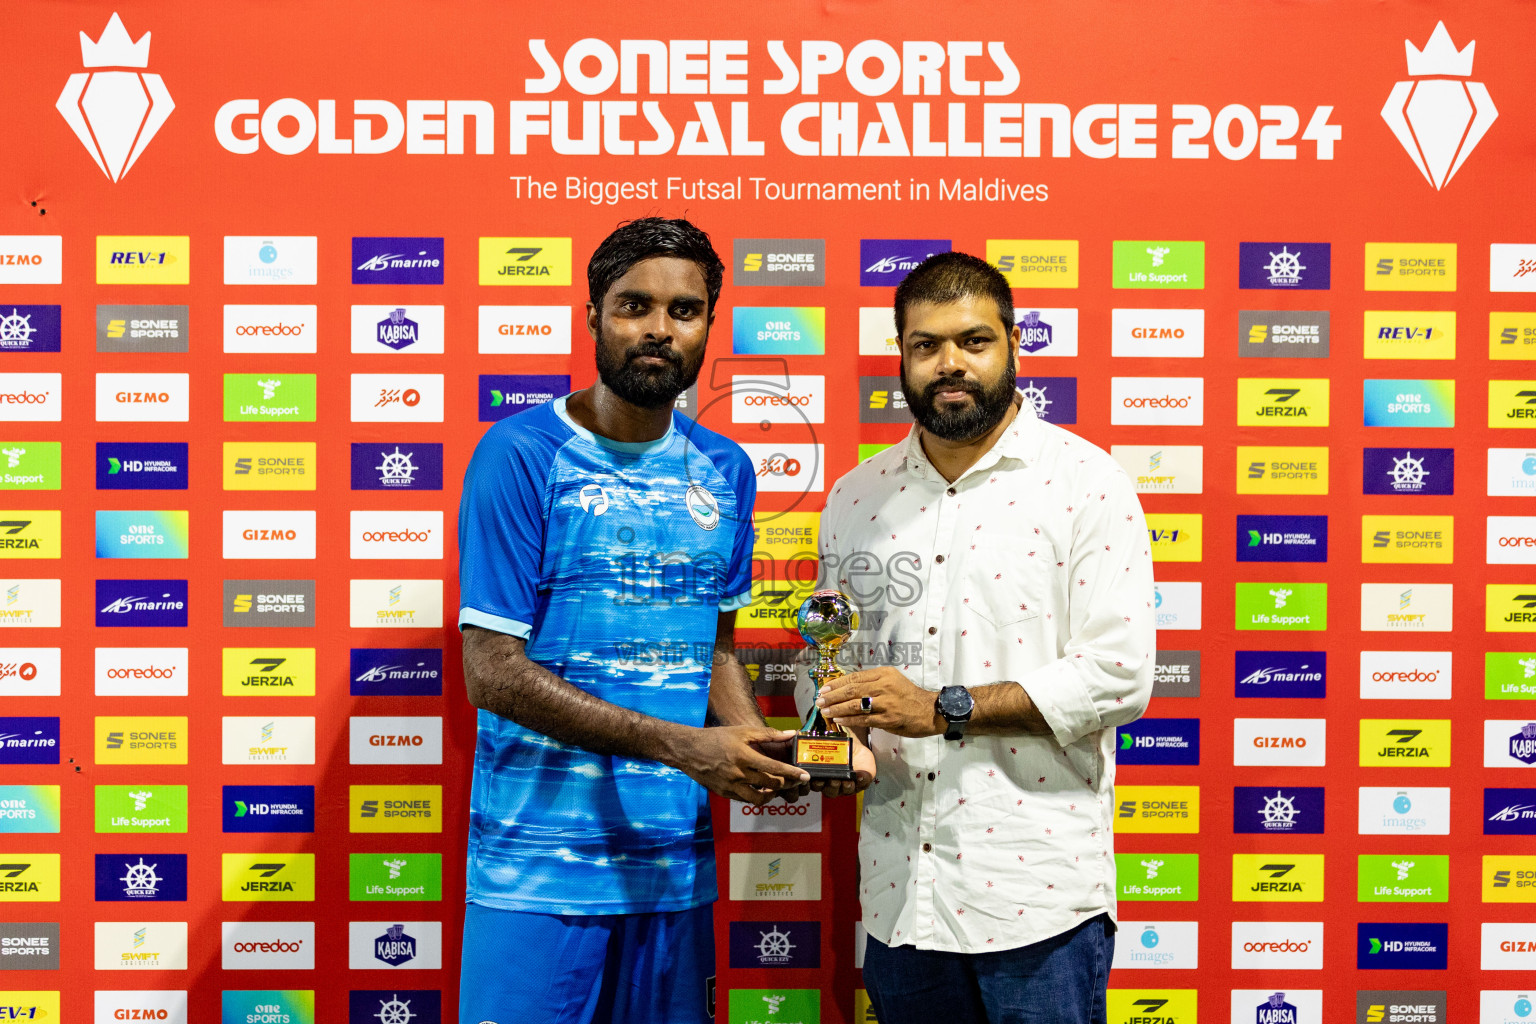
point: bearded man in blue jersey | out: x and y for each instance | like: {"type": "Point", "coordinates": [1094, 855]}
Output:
{"type": "Point", "coordinates": [605, 546]}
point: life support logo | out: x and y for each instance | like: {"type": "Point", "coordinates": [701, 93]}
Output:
{"type": "Point", "coordinates": [702, 506]}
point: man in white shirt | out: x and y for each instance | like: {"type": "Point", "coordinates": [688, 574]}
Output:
{"type": "Point", "coordinates": [1003, 573]}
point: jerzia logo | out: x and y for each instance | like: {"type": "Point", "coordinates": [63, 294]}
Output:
{"type": "Point", "coordinates": [1439, 121]}
{"type": "Point", "coordinates": [115, 114]}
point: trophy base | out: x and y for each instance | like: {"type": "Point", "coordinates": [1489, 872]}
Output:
{"type": "Point", "coordinates": [825, 757]}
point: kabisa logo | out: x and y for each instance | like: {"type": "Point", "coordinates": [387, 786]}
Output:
{"type": "Point", "coordinates": [1054, 398]}
{"type": "Point", "coordinates": [1047, 332]}
{"type": "Point", "coordinates": [397, 261]}
{"type": "Point", "coordinates": [1296, 810]}
{"type": "Point", "coordinates": [1275, 1010]}
{"type": "Point", "coordinates": [394, 947]}
{"type": "Point", "coordinates": [411, 330]}
{"type": "Point", "coordinates": [141, 877]}
{"type": "Point", "coordinates": [1160, 741]}
{"type": "Point", "coordinates": [394, 1006]}
{"type": "Point", "coordinates": [141, 466]}
{"type": "Point", "coordinates": [115, 114]}
{"type": "Point", "coordinates": [30, 329]}
{"type": "Point", "coordinates": [397, 672]}
{"type": "Point", "coordinates": [396, 331]}
{"type": "Point", "coordinates": [1439, 121]}
{"type": "Point", "coordinates": [407, 945]}
{"type": "Point", "coordinates": [397, 466]}
{"type": "Point", "coordinates": [269, 808]}
{"type": "Point", "coordinates": [885, 261]}
{"type": "Point", "coordinates": [141, 603]}
{"type": "Point", "coordinates": [1291, 674]}
{"type": "Point", "coordinates": [503, 395]}
{"type": "Point", "coordinates": [1302, 266]}
{"type": "Point", "coordinates": [1409, 471]}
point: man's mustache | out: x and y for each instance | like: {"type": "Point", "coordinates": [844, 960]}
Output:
{"type": "Point", "coordinates": [951, 384]}
{"type": "Point", "coordinates": [659, 351]}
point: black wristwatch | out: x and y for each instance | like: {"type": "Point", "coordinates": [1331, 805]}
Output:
{"type": "Point", "coordinates": [955, 705]}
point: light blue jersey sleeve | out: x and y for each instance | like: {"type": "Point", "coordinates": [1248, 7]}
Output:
{"type": "Point", "coordinates": [502, 531]}
{"type": "Point", "coordinates": [738, 582]}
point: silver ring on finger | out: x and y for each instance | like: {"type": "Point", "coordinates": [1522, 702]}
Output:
{"type": "Point", "coordinates": [867, 705]}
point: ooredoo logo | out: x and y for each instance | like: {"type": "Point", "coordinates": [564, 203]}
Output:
{"type": "Point", "coordinates": [1175, 401]}
{"type": "Point", "coordinates": [1405, 675]}
{"type": "Point", "coordinates": [270, 328]}
{"type": "Point", "coordinates": [1277, 945]}
{"type": "Point", "coordinates": [32, 397]}
{"type": "Point", "coordinates": [141, 671]}
{"type": "Point", "coordinates": [397, 534]}
{"type": "Point", "coordinates": [804, 815]}
{"type": "Point", "coordinates": [268, 945]}
{"type": "Point", "coordinates": [789, 399]}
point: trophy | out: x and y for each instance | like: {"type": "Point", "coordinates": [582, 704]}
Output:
{"type": "Point", "coordinates": [822, 749]}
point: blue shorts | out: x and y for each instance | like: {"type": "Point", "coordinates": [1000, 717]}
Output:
{"type": "Point", "coordinates": [619, 968]}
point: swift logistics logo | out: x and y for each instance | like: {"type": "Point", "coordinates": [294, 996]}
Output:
{"type": "Point", "coordinates": [1281, 674]}
{"type": "Point", "coordinates": [1405, 743]}
{"type": "Point", "coordinates": [525, 261]}
{"type": "Point", "coordinates": [1410, 267]}
{"type": "Point", "coordinates": [1173, 877]}
{"type": "Point", "coordinates": [1163, 469]}
{"type": "Point", "coordinates": [395, 603]}
{"type": "Point", "coordinates": [1403, 878]}
{"type": "Point", "coordinates": [1412, 539]}
{"type": "Point", "coordinates": [1412, 607]}
{"type": "Point", "coordinates": [266, 739]}
{"type": "Point", "coordinates": [141, 466]}
{"type": "Point", "coordinates": [31, 465]}
{"type": "Point", "coordinates": [268, 671]}
{"type": "Point", "coordinates": [115, 114]}
{"type": "Point", "coordinates": [503, 395]}
{"type": "Point", "coordinates": [877, 331]}
{"type": "Point", "coordinates": [30, 329]}
{"type": "Point", "coordinates": [775, 876]}
{"type": "Point", "coordinates": [1438, 120]}
{"type": "Point", "coordinates": [1171, 809]}
{"type": "Point", "coordinates": [784, 262]}
{"type": "Point", "coordinates": [1282, 402]}
{"type": "Point", "coordinates": [1175, 536]}
{"type": "Point", "coordinates": [1408, 471]}
{"type": "Point", "coordinates": [1034, 262]}
{"type": "Point", "coordinates": [885, 261]}
{"type": "Point", "coordinates": [142, 329]}
{"type": "Point", "coordinates": [140, 603]}
{"type": "Point", "coordinates": [1144, 264]}
{"type": "Point", "coordinates": [141, 877]}
{"type": "Point", "coordinates": [1410, 334]}
{"type": "Point", "coordinates": [397, 260]}
{"type": "Point", "coordinates": [1159, 741]}
{"type": "Point", "coordinates": [30, 603]}
{"type": "Point", "coordinates": [1277, 878]}
{"type": "Point", "coordinates": [1277, 810]}
{"type": "Point", "coordinates": [1282, 538]}
{"type": "Point", "coordinates": [1285, 266]}
{"type": "Point", "coordinates": [1282, 334]}
{"type": "Point", "coordinates": [268, 466]}
{"type": "Point", "coordinates": [1401, 946]}
{"type": "Point", "coordinates": [268, 809]}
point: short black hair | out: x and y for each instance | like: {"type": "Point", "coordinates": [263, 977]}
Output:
{"type": "Point", "coordinates": [947, 276]}
{"type": "Point", "coordinates": [647, 238]}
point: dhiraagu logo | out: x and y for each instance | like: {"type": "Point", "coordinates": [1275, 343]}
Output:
{"type": "Point", "coordinates": [1158, 876]}
{"type": "Point", "coordinates": [779, 330]}
{"type": "Point", "coordinates": [141, 534]}
{"type": "Point", "coordinates": [1287, 606]}
{"type": "Point", "coordinates": [1159, 265]}
{"type": "Point", "coordinates": [1404, 878]}
{"type": "Point", "coordinates": [1410, 403]}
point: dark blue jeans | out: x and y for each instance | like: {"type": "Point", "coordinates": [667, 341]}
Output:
{"type": "Point", "coordinates": [1060, 980]}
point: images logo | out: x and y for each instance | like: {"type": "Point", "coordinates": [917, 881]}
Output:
{"type": "Point", "coordinates": [1305, 266]}
{"type": "Point", "coordinates": [1159, 265]}
{"type": "Point", "coordinates": [1176, 605]}
{"type": "Point", "coordinates": [1158, 945]}
{"type": "Point", "coordinates": [30, 329]}
{"type": "Point", "coordinates": [885, 261]}
{"type": "Point", "coordinates": [525, 261]}
{"type": "Point", "coordinates": [1405, 810]}
{"type": "Point", "coordinates": [780, 261]}
{"type": "Point", "coordinates": [503, 395]}
{"type": "Point", "coordinates": [1282, 538]}
{"type": "Point", "coordinates": [397, 261]}
{"type": "Point", "coordinates": [271, 259]}
{"type": "Point", "coordinates": [1295, 810]}
{"type": "Point", "coordinates": [115, 114]}
{"type": "Point", "coordinates": [1283, 674]}
{"type": "Point", "coordinates": [1448, 118]}
{"type": "Point", "coordinates": [1034, 263]}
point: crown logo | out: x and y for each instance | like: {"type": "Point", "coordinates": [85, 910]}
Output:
{"type": "Point", "coordinates": [115, 49]}
{"type": "Point", "coordinates": [114, 114]}
{"type": "Point", "coordinates": [1439, 56]}
{"type": "Point", "coordinates": [1439, 121]}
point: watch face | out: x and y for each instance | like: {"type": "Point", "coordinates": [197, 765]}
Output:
{"type": "Point", "coordinates": [955, 702]}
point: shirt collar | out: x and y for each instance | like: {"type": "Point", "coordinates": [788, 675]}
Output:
{"type": "Point", "coordinates": [1018, 442]}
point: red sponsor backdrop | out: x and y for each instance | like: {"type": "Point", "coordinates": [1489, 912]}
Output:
{"type": "Point", "coordinates": [1120, 173]}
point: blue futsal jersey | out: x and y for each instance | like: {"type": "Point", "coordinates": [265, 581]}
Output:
{"type": "Point", "coordinates": [614, 560]}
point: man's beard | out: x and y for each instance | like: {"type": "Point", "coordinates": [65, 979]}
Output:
{"type": "Point", "coordinates": [646, 387]}
{"type": "Point", "coordinates": [987, 408]}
